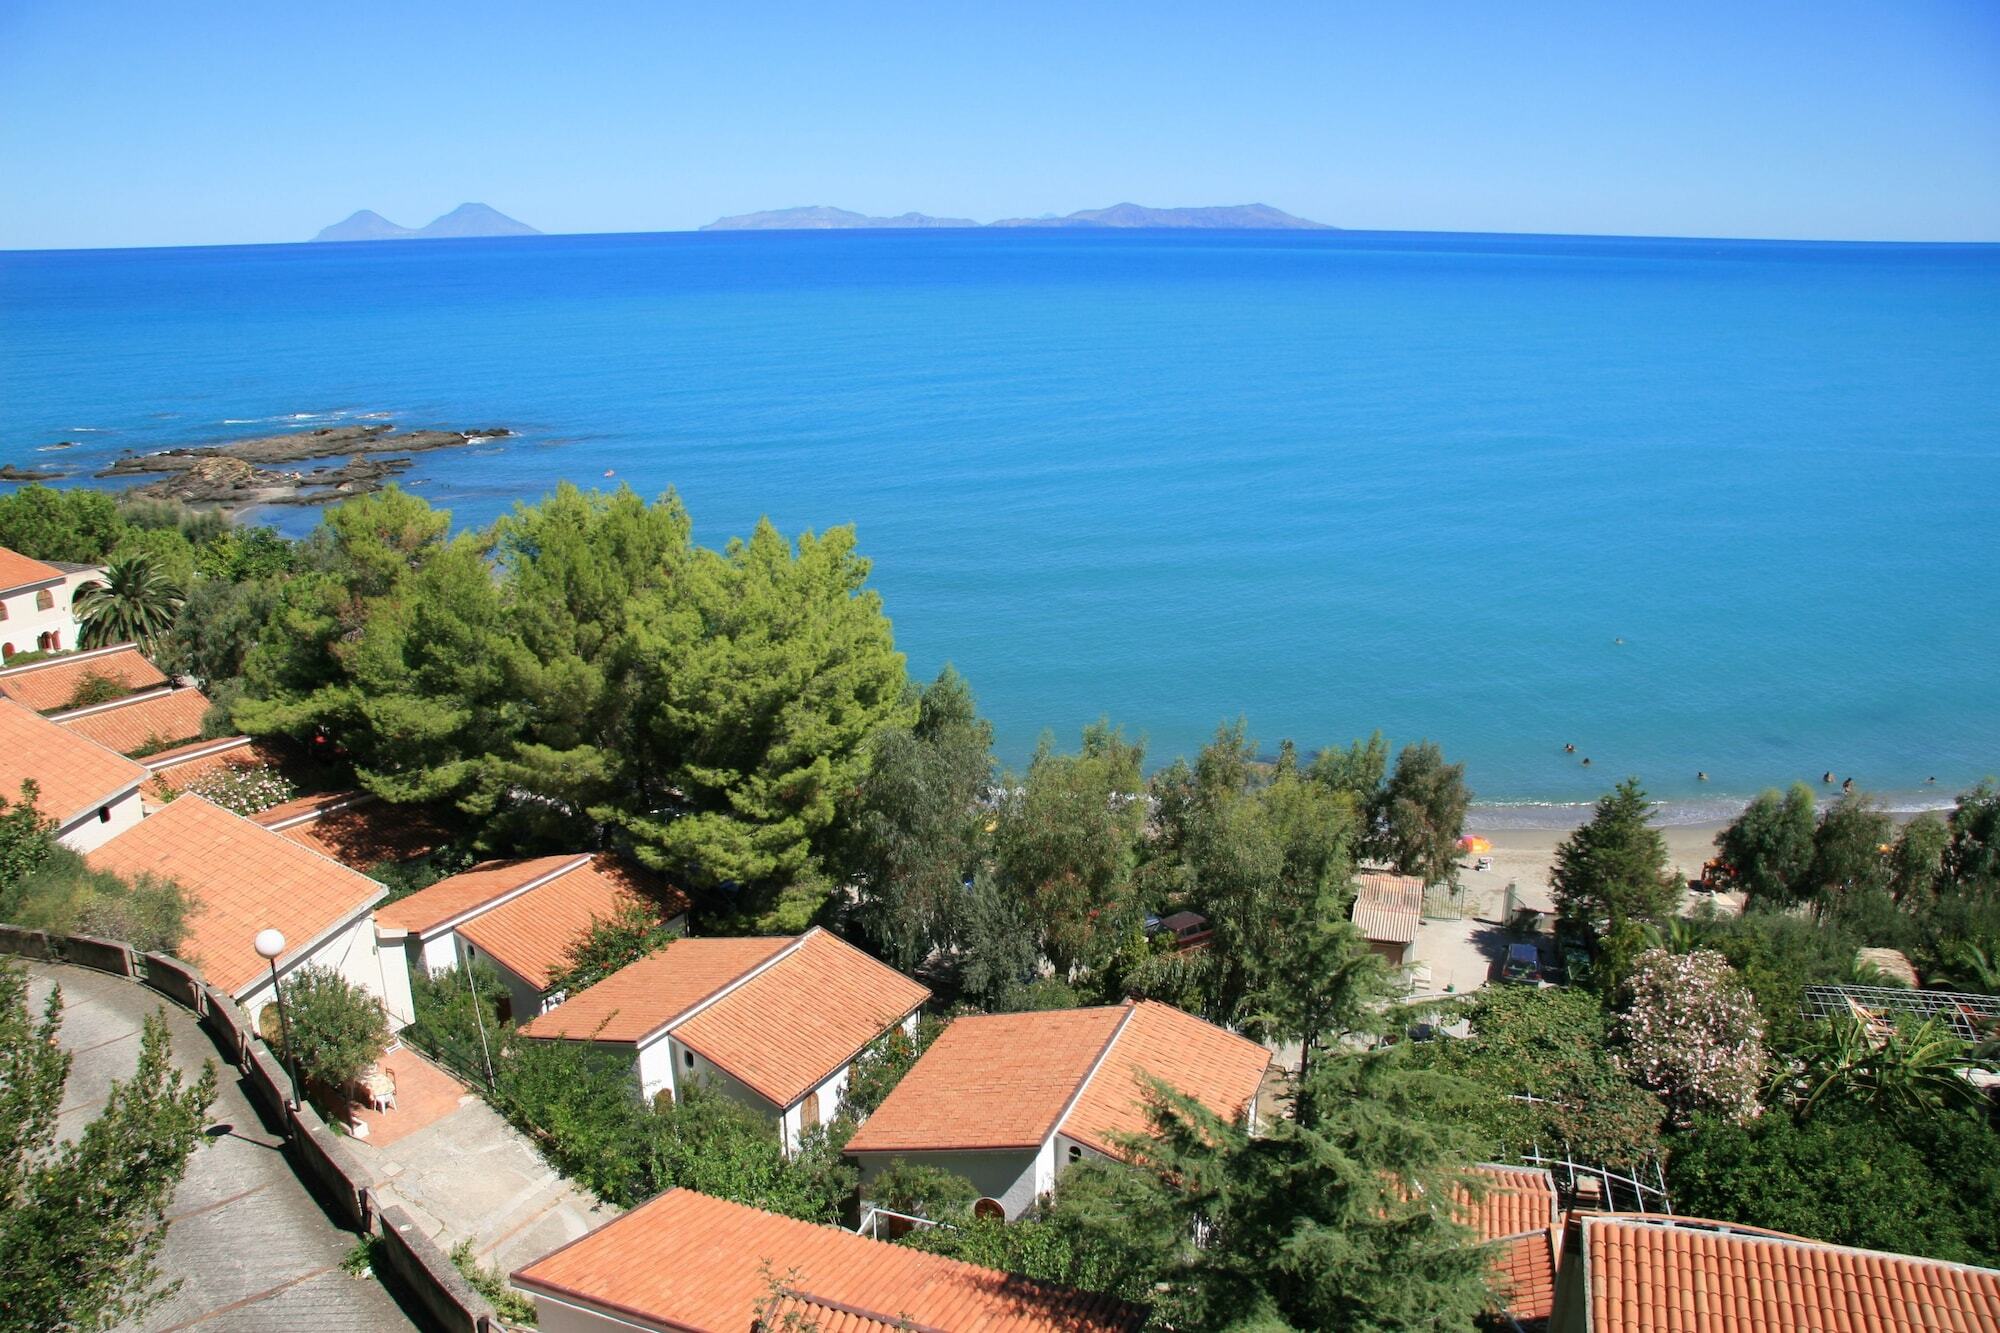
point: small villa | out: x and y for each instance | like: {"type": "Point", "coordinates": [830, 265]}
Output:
{"type": "Point", "coordinates": [90, 792]}
{"type": "Point", "coordinates": [53, 686]}
{"type": "Point", "coordinates": [144, 723]}
{"type": "Point", "coordinates": [773, 1021]}
{"type": "Point", "coordinates": [241, 879]}
{"type": "Point", "coordinates": [36, 615]}
{"type": "Point", "coordinates": [689, 1261]}
{"type": "Point", "coordinates": [1010, 1100]}
{"type": "Point", "coordinates": [1388, 909]}
{"type": "Point", "coordinates": [521, 916]}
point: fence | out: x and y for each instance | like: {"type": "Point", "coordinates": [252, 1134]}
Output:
{"type": "Point", "coordinates": [317, 1154]}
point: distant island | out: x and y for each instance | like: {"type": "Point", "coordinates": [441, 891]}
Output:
{"type": "Point", "coordinates": [1226, 217]}
{"type": "Point", "coordinates": [465, 220]}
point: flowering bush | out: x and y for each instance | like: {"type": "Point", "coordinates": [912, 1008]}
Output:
{"type": "Point", "coordinates": [1691, 1033]}
{"type": "Point", "coordinates": [244, 790]}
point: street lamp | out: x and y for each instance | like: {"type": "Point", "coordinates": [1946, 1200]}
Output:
{"type": "Point", "coordinates": [271, 943]}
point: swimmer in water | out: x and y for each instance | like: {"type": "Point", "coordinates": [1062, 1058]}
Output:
{"type": "Point", "coordinates": [1569, 749]}
{"type": "Point", "coordinates": [1827, 777]}
{"type": "Point", "coordinates": [1586, 761]}
{"type": "Point", "coordinates": [1848, 785]}
{"type": "Point", "coordinates": [1701, 777]}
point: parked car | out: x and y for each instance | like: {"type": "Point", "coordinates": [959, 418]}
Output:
{"type": "Point", "coordinates": [1523, 965]}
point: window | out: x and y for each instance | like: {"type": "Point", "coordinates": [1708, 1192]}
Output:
{"type": "Point", "coordinates": [3, 610]}
{"type": "Point", "coordinates": [1075, 1153]}
{"type": "Point", "coordinates": [809, 1111]}
{"type": "Point", "coordinates": [688, 1056]}
{"type": "Point", "coordinates": [104, 814]}
{"type": "Point", "coordinates": [45, 600]}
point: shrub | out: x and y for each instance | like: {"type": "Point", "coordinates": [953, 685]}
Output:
{"type": "Point", "coordinates": [878, 1069]}
{"type": "Point", "coordinates": [923, 1191]}
{"type": "Point", "coordinates": [336, 1028]}
{"type": "Point", "coordinates": [94, 687]}
{"type": "Point", "coordinates": [46, 886]}
{"type": "Point", "coordinates": [630, 934]}
{"type": "Point", "coordinates": [244, 790]}
{"type": "Point", "coordinates": [508, 1303]}
{"type": "Point", "coordinates": [1690, 1032]}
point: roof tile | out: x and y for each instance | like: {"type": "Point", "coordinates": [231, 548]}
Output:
{"type": "Point", "coordinates": [75, 775]}
{"type": "Point", "coordinates": [696, 1262]}
{"type": "Point", "coordinates": [241, 878]}
{"type": "Point", "coordinates": [531, 935]}
{"type": "Point", "coordinates": [20, 571]}
{"type": "Point", "coordinates": [142, 721]}
{"type": "Point", "coordinates": [1513, 1199]}
{"type": "Point", "coordinates": [453, 897]}
{"type": "Point", "coordinates": [1218, 1068]}
{"type": "Point", "coordinates": [49, 686]}
{"type": "Point", "coordinates": [643, 997]}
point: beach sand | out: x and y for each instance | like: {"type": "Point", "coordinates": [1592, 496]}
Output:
{"type": "Point", "coordinates": [1526, 856]}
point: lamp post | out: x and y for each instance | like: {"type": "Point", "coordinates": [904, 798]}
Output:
{"type": "Point", "coordinates": [271, 943]}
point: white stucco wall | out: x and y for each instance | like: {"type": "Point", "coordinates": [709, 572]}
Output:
{"type": "Point", "coordinates": [25, 624]}
{"type": "Point", "coordinates": [554, 1316]}
{"type": "Point", "coordinates": [792, 1123]}
{"type": "Point", "coordinates": [91, 830]}
{"type": "Point", "coordinates": [354, 954]}
{"type": "Point", "coordinates": [1010, 1177]}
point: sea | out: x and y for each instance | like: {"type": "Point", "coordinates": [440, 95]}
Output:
{"type": "Point", "coordinates": [1694, 507]}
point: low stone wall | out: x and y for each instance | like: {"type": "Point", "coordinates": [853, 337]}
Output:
{"type": "Point", "coordinates": [318, 1154]}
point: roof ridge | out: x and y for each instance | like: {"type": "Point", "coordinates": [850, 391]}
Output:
{"type": "Point", "coordinates": [71, 659]}
{"type": "Point", "coordinates": [1110, 1044]}
{"type": "Point", "coordinates": [126, 701]}
{"type": "Point", "coordinates": [380, 887]}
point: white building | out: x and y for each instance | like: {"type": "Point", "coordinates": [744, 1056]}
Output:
{"type": "Point", "coordinates": [773, 1021]}
{"type": "Point", "coordinates": [240, 879]}
{"type": "Point", "coordinates": [521, 916]}
{"type": "Point", "coordinates": [90, 792]}
{"type": "Point", "coordinates": [1010, 1100]}
{"type": "Point", "coordinates": [35, 598]}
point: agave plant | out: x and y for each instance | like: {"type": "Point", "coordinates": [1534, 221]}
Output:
{"type": "Point", "coordinates": [134, 603]}
{"type": "Point", "coordinates": [1898, 1068]}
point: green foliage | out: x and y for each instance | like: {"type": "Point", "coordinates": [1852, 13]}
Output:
{"type": "Point", "coordinates": [335, 1028]}
{"type": "Point", "coordinates": [77, 525]}
{"type": "Point", "coordinates": [404, 878]}
{"type": "Point", "coordinates": [1540, 1063]}
{"type": "Point", "coordinates": [166, 551]}
{"type": "Point", "coordinates": [243, 555]}
{"type": "Point", "coordinates": [218, 626]}
{"type": "Point", "coordinates": [1843, 1177]}
{"type": "Point", "coordinates": [998, 953]}
{"type": "Point", "coordinates": [1611, 877]}
{"type": "Point", "coordinates": [135, 602]}
{"type": "Point", "coordinates": [1422, 814]}
{"type": "Point", "coordinates": [916, 829]}
{"type": "Point", "coordinates": [879, 1068]}
{"type": "Point", "coordinates": [1848, 859]}
{"type": "Point", "coordinates": [27, 840]}
{"type": "Point", "coordinates": [632, 933]}
{"type": "Point", "coordinates": [1769, 847]}
{"type": "Point", "coordinates": [83, 1216]}
{"type": "Point", "coordinates": [46, 886]}
{"type": "Point", "coordinates": [923, 1191]}
{"type": "Point", "coordinates": [1358, 772]}
{"type": "Point", "coordinates": [1917, 863]}
{"type": "Point", "coordinates": [1973, 859]}
{"type": "Point", "coordinates": [1689, 1032]}
{"type": "Point", "coordinates": [1778, 955]}
{"type": "Point", "coordinates": [491, 1283]}
{"type": "Point", "coordinates": [1912, 1071]}
{"type": "Point", "coordinates": [95, 687]}
{"type": "Point", "coordinates": [458, 1016]}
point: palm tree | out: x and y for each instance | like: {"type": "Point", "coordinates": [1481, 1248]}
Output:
{"type": "Point", "coordinates": [134, 603]}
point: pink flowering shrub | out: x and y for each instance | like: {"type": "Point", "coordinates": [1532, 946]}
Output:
{"type": "Point", "coordinates": [244, 790]}
{"type": "Point", "coordinates": [1690, 1032]}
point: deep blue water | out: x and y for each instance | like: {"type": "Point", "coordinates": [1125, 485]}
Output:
{"type": "Point", "coordinates": [1334, 482]}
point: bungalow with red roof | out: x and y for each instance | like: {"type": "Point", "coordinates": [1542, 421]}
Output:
{"type": "Point", "coordinates": [240, 879]}
{"type": "Point", "coordinates": [36, 615]}
{"type": "Point", "coordinates": [52, 686]}
{"type": "Point", "coordinates": [773, 1021]}
{"type": "Point", "coordinates": [90, 792]}
{"type": "Point", "coordinates": [522, 916]}
{"type": "Point", "coordinates": [356, 828]}
{"type": "Point", "coordinates": [1010, 1100]}
{"type": "Point", "coordinates": [1626, 1273]}
{"type": "Point", "coordinates": [689, 1261]}
{"type": "Point", "coordinates": [148, 722]}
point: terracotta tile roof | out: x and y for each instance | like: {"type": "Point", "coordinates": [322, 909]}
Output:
{"type": "Point", "coordinates": [1524, 1275]}
{"type": "Point", "coordinates": [48, 686]}
{"type": "Point", "coordinates": [1647, 1274]}
{"type": "Point", "coordinates": [690, 1261]}
{"type": "Point", "coordinates": [19, 571]}
{"type": "Point", "coordinates": [645, 997]}
{"type": "Point", "coordinates": [530, 935]}
{"type": "Point", "coordinates": [1218, 1068]}
{"type": "Point", "coordinates": [486, 883]}
{"type": "Point", "coordinates": [1388, 908]}
{"type": "Point", "coordinates": [241, 878]}
{"type": "Point", "coordinates": [784, 1030]}
{"type": "Point", "coordinates": [991, 1081]}
{"type": "Point", "coordinates": [75, 775]}
{"type": "Point", "coordinates": [1516, 1199]}
{"type": "Point", "coordinates": [174, 770]}
{"type": "Point", "coordinates": [140, 721]}
{"type": "Point", "coordinates": [355, 828]}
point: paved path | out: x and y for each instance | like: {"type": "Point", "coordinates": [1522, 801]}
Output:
{"type": "Point", "coordinates": [471, 1175]}
{"type": "Point", "coordinates": [253, 1248]}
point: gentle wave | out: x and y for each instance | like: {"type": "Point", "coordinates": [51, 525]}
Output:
{"type": "Point", "coordinates": [1693, 813]}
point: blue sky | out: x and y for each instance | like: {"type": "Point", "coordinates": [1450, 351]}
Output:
{"type": "Point", "coordinates": [155, 123]}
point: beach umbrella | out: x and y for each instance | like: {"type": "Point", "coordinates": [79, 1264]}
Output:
{"type": "Point", "coordinates": [1475, 844]}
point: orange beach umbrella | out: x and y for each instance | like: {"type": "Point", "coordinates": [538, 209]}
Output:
{"type": "Point", "coordinates": [1475, 844]}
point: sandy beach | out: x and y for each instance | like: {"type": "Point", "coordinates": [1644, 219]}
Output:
{"type": "Point", "coordinates": [1526, 856]}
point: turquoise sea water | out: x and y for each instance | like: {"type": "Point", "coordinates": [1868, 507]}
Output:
{"type": "Point", "coordinates": [1689, 505]}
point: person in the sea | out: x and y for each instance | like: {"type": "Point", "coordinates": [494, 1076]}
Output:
{"type": "Point", "coordinates": [1701, 776]}
{"type": "Point", "coordinates": [1586, 761]}
{"type": "Point", "coordinates": [1569, 749]}
{"type": "Point", "coordinates": [1827, 777]}
{"type": "Point", "coordinates": [1847, 786]}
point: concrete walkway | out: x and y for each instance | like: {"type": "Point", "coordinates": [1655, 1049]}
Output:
{"type": "Point", "coordinates": [253, 1249]}
{"type": "Point", "coordinates": [472, 1176]}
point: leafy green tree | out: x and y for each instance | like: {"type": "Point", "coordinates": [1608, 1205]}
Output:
{"type": "Point", "coordinates": [1540, 1062]}
{"type": "Point", "coordinates": [1611, 876]}
{"type": "Point", "coordinates": [1423, 814]}
{"type": "Point", "coordinates": [1973, 861]}
{"type": "Point", "coordinates": [1769, 847]}
{"type": "Point", "coordinates": [335, 1028]}
{"type": "Point", "coordinates": [1917, 862]}
{"type": "Point", "coordinates": [27, 840]}
{"type": "Point", "coordinates": [218, 626]}
{"type": "Point", "coordinates": [243, 555]}
{"type": "Point", "coordinates": [997, 953]}
{"type": "Point", "coordinates": [1359, 772]}
{"type": "Point", "coordinates": [1067, 842]}
{"type": "Point", "coordinates": [134, 603]}
{"type": "Point", "coordinates": [83, 1216]}
{"type": "Point", "coordinates": [1778, 955]}
{"type": "Point", "coordinates": [1848, 850]}
{"type": "Point", "coordinates": [916, 827]}
{"type": "Point", "coordinates": [881, 1066]}
{"type": "Point", "coordinates": [633, 932]}
{"type": "Point", "coordinates": [923, 1191]}
{"type": "Point", "coordinates": [1689, 1032]}
{"type": "Point", "coordinates": [166, 551]}
{"type": "Point", "coordinates": [78, 525]}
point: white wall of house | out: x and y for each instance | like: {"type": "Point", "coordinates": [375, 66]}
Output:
{"type": "Point", "coordinates": [351, 951]}
{"type": "Point", "coordinates": [554, 1316]}
{"type": "Point", "coordinates": [94, 828]}
{"type": "Point", "coordinates": [1012, 1177]}
{"type": "Point", "coordinates": [438, 953]}
{"type": "Point", "coordinates": [524, 997]}
{"type": "Point", "coordinates": [792, 1123]}
{"type": "Point", "coordinates": [26, 620]}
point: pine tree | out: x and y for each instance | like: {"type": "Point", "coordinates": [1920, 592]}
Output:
{"type": "Point", "coordinates": [1611, 877]}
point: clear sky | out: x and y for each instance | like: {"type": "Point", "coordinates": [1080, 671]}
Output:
{"type": "Point", "coordinates": [167, 122]}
